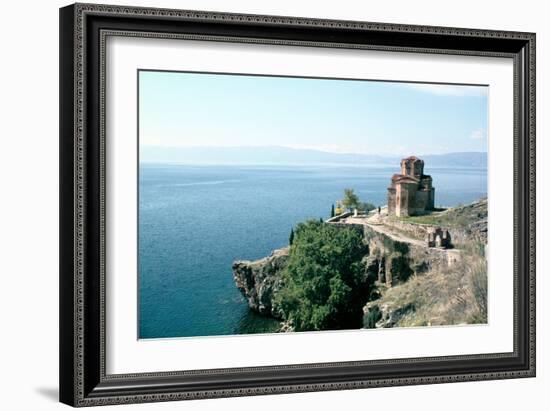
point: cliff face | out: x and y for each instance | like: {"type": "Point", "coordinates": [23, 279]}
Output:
{"type": "Point", "coordinates": [387, 261]}
{"type": "Point", "coordinates": [447, 286]}
{"type": "Point", "coordinates": [259, 280]}
{"type": "Point", "coordinates": [393, 259]}
{"type": "Point", "coordinates": [414, 284]}
{"type": "Point", "coordinates": [444, 295]}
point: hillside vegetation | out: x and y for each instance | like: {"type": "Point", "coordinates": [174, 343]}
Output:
{"type": "Point", "coordinates": [458, 217]}
{"type": "Point", "coordinates": [323, 285]}
{"type": "Point", "coordinates": [374, 271]}
{"type": "Point", "coordinates": [444, 296]}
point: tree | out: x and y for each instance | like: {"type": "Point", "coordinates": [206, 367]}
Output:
{"type": "Point", "coordinates": [350, 200]}
{"type": "Point", "coordinates": [323, 284]}
{"type": "Point", "coordinates": [291, 236]}
{"type": "Point", "coordinates": [332, 211]}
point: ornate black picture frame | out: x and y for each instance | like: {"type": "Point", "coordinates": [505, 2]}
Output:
{"type": "Point", "coordinates": [83, 379]}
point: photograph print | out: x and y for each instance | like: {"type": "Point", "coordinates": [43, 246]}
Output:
{"type": "Point", "coordinates": [273, 204]}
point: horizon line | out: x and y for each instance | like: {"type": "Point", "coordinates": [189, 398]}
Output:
{"type": "Point", "coordinates": [304, 148]}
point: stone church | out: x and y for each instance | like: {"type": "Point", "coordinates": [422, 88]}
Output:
{"type": "Point", "coordinates": [411, 192]}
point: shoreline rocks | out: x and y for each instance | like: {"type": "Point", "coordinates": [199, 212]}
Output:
{"type": "Point", "coordinates": [259, 280]}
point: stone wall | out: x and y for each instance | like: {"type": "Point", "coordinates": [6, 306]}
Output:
{"type": "Point", "coordinates": [391, 262]}
{"type": "Point", "coordinates": [391, 201]}
{"type": "Point", "coordinates": [405, 204]}
{"type": "Point", "coordinates": [414, 230]}
{"type": "Point", "coordinates": [421, 202]}
{"type": "Point", "coordinates": [460, 236]}
{"type": "Point", "coordinates": [339, 217]}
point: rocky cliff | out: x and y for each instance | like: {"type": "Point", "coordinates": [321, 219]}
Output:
{"type": "Point", "coordinates": [259, 280]}
{"type": "Point", "coordinates": [415, 284]}
{"type": "Point", "coordinates": [448, 286]}
{"type": "Point", "coordinates": [392, 259]}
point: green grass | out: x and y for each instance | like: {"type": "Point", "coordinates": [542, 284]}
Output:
{"type": "Point", "coordinates": [436, 219]}
{"type": "Point", "coordinates": [458, 217]}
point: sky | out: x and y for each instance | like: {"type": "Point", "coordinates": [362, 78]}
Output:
{"type": "Point", "coordinates": [343, 116]}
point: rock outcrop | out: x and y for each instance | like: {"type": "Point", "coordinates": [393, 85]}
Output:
{"type": "Point", "coordinates": [449, 290]}
{"type": "Point", "coordinates": [259, 280]}
{"type": "Point", "coordinates": [387, 261]}
{"type": "Point", "coordinates": [398, 262]}
{"type": "Point", "coordinates": [390, 261]}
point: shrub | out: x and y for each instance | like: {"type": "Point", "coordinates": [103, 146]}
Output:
{"type": "Point", "coordinates": [323, 284]}
{"type": "Point", "coordinates": [477, 278]}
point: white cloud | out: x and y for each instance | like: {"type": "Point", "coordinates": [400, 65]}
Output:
{"type": "Point", "coordinates": [477, 134]}
{"type": "Point", "coordinates": [449, 89]}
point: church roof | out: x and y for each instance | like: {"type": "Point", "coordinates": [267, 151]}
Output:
{"type": "Point", "coordinates": [412, 158]}
{"type": "Point", "coordinates": [401, 178]}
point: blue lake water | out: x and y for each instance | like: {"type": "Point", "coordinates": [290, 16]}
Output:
{"type": "Point", "coordinates": [194, 221]}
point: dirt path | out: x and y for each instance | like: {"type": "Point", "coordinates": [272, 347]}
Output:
{"type": "Point", "coordinates": [382, 228]}
{"type": "Point", "coordinates": [377, 223]}
{"type": "Point", "coordinates": [396, 236]}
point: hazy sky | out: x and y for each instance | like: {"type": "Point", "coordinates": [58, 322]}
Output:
{"type": "Point", "coordinates": [187, 109]}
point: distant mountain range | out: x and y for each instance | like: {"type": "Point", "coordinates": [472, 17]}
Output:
{"type": "Point", "coordinates": [290, 156]}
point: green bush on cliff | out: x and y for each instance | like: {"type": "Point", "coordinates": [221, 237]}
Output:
{"type": "Point", "coordinates": [323, 284]}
